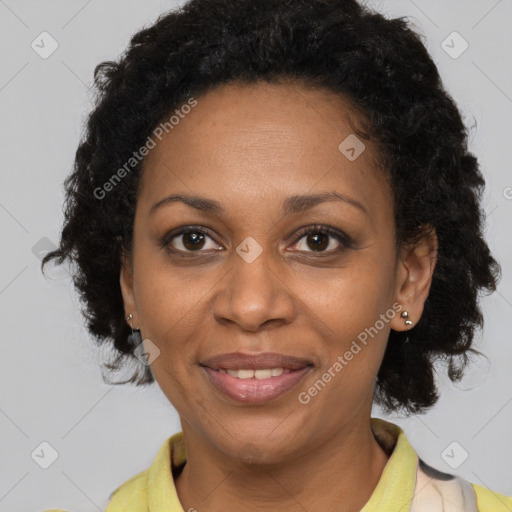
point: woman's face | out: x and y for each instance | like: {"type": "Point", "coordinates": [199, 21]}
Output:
{"type": "Point", "coordinates": [249, 279]}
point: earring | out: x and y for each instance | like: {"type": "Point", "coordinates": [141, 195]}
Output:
{"type": "Point", "coordinates": [134, 339]}
{"type": "Point", "coordinates": [408, 322]}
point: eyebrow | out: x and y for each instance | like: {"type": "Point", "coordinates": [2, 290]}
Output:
{"type": "Point", "coordinates": [293, 204]}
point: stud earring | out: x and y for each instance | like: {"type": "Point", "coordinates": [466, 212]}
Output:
{"type": "Point", "coordinates": [405, 316]}
{"type": "Point", "coordinates": [408, 323]}
{"type": "Point", "coordinates": [135, 338]}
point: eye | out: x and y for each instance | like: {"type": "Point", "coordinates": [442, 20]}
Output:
{"type": "Point", "coordinates": [318, 238]}
{"type": "Point", "coordinates": [194, 239]}
{"type": "Point", "coordinates": [190, 239]}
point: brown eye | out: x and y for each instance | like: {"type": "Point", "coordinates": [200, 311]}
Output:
{"type": "Point", "coordinates": [193, 240]}
{"type": "Point", "coordinates": [188, 240]}
{"type": "Point", "coordinates": [318, 239]}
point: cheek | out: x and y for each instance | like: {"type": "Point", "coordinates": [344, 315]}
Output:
{"type": "Point", "coordinates": [353, 306]}
{"type": "Point", "coordinates": [351, 297]}
{"type": "Point", "coordinates": [171, 312]}
{"type": "Point", "coordinates": [168, 298]}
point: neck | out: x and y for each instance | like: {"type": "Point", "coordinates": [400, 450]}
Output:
{"type": "Point", "coordinates": [344, 469]}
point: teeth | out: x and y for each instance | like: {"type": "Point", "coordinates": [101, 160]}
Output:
{"type": "Point", "coordinates": [245, 374]}
{"type": "Point", "coordinates": [265, 373]}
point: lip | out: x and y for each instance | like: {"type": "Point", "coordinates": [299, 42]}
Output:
{"type": "Point", "coordinates": [255, 391]}
{"type": "Point", "coordinates": [239, 360]}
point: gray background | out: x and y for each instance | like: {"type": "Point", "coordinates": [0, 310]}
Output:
{"type": "Point", "coordinates": [51, 386]}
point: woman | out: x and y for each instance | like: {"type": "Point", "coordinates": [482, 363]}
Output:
{"type": "Point", "coordinates": [275, 211]}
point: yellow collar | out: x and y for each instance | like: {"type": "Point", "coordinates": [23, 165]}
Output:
{"type": "Point", "coordinates": [406, 484]}
{"type": "Point", "coordinates": [153, 490]}
{"type": "Point", "coordinates": [395, 489]}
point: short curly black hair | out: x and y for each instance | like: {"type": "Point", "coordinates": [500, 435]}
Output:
{"type": "Point", "coordinates": [382, 67]}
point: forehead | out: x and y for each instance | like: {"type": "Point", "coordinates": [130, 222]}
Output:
{"type": "Point", "coordinates": [261, 141]}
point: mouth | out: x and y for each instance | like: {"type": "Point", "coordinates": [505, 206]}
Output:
{"type": "Point", "coordinates": [255, 379]}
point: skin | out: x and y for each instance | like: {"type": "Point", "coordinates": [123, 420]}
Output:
{"type": "Point", "coordinates": [249, 148]}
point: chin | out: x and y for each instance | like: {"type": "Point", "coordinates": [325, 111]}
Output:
{"type": "Point", "coordinates": [260, 449]}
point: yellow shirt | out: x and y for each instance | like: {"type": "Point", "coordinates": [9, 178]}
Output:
{"type": "Point", "coordinates": [407, 484]}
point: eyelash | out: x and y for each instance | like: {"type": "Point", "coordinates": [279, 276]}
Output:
{"type": "Point", "coordinates": [345, 241]}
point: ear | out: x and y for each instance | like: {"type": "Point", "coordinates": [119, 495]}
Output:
{"type": "Point", "coordinates": [415, 268]}
{"type": "Point", "coordinates": [126, 283]}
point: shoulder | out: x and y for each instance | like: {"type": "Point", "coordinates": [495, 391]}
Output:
{"type": "Point", "coordinates": [435, 490]}
{"type": "Point", "coordinates": [131, 495]}
{"type": "Point", "coordinates": [490, 501]}
{"type": "Point", "coordinates": [153, 487]}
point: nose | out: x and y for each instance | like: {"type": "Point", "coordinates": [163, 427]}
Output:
{"type": "Point", "coordinates": [255, 293]}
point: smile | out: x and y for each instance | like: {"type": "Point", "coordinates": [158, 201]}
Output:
{"type": "Point", "coordinates": [265, 373]}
